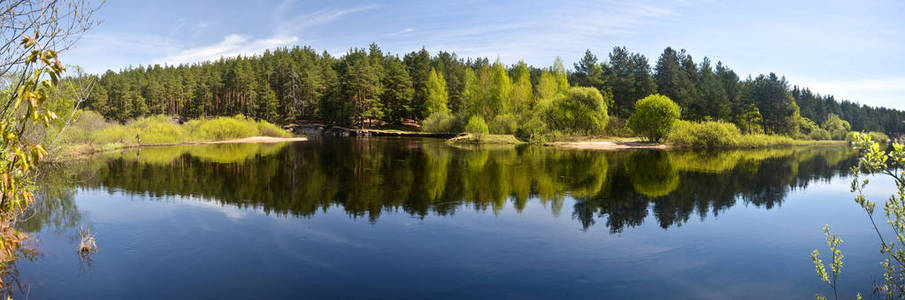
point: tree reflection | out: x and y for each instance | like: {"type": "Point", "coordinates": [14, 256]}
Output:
{"type": "Point", "coordinates": [366, 177]}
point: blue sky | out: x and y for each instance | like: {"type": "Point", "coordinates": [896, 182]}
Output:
{"type": "Point", "coordinates": [852, 49]}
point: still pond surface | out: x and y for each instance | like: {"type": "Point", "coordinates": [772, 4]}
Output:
{"type": "Point", "coordinates": [416, 218]}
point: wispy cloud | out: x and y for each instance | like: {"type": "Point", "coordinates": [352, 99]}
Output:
{"type": "Point", "coordinates": [298, 24]}
{"type": "Point", "coordinates": [286, 32]}
{"type": "Point", "coordinates": [538, 34]}
{"type": "Point", "coordinates": [231, 45]}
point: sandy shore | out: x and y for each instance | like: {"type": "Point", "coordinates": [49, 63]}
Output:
{"type": "Point", "coordinates": [604, 145]}
{"type": "Point", "coordinates": [258, 140]}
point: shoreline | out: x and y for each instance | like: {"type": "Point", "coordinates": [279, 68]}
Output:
{"type": "Point", "coordinates": [82, 151]}
{"type": "Point", "coordinates": [637, 145]}
{"type": "Point", "coordinates": [610, 145]}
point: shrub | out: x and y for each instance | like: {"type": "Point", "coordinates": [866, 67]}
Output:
{"type": "Point", "coordinates": [654, 117]}
{"type": "Point", "coordinates": [807, 129]}
{"type": "Point", "coordinates": [438, 122]}
{"type": "Point", "coordinates": [819, 134]}
{"type": "Point", "coordinates": [268, 129]}
{"type": "Point", "coordinates": [160, 133]}
{"type": "Point", "coordinates": [82, 127]}
{"type": "Point", "coordinates": [504, 124]}
{"type": "Point", "coordinates": [223, 128]}
{"type": "Point", "coordinates": [617, 127]}
{"type": "Point", "coordinates": [838, 128]}
{"type": "Point", "coordinates": [158, 129]}
{"type": "Point", "coordinates": [582, 110]}
{"type": "Point", "coordinates": [476, 126]}
{"type": "Point", "coordinates": [765, 140]}
{"type": "Point", "coordinates": [878, 137]}
{"type": "Point", "coordinates": [115, 134]}
{"type": "Point", "coordinates": [704, 134]}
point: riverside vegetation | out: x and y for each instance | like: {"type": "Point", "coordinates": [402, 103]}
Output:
{"type": "Point", "coordinates": [889, 164]}
{"type": "Point", "coordinates": [441, 93]}
{"type": "Point", "coordinates": [90, 133]}
{"type": "Point", "coordinates": [30, 65]}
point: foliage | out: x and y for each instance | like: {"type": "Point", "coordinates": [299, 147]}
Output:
{"type": "Point", "coordinates": [874, 161]}
{"type": "Point", "coordinates": [836, 127]}
{"type": "Point", "coordinates": [267, 129]}
{"type": "Point", "coordinates": [704, 134]}
{"type": "Point", "coordinates": [476, 126]}
{"type": "Point", "coordinates": [89, 129]}
{"type": "Point", "coordinates": [437, 96]}
{"type": "Point", "coordinates": [833, 242]}
{"type": "Point", "coordinates": [34, 70]}
{"type": "Point", "coordinates": [654, 117]}
{"type": "Point", "coordinates": [504, 124]}
{"type": "Point", "coordinates": [617, 127]}
{"type": "Point", "coordinates": [878, 137]}
{"type": "Point", "coordinates": [438, 122]}
{"type": "Point", "coordinates": [807, 129]}
{"type": "Point", "coordinates": [582, 110]}
{"type": "Point", "coordinates": [366, 87]}
{"type": "Point", "coordinates": [223, 128]}
{"type": "Point", "coordinates": [484, 140]}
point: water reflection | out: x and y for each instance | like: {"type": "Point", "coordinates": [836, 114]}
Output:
{"type": "Point", "coordinates": [367, 177]}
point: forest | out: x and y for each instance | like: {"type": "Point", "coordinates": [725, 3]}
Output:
{"type": "Point", "coordinates": [371, 88]}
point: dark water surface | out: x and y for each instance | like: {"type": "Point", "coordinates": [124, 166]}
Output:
{"type": "Point", "coordinates": [410, 218]}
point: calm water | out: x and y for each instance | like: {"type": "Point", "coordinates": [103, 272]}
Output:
{"type": "Point", "coordinates": [405, 218]}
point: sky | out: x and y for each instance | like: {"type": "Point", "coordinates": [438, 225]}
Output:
{"type": "Point", "coordinates": [853, 50]}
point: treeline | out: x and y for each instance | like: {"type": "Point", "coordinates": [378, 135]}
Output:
{"type": "Point", "coordinates": [367, 87]}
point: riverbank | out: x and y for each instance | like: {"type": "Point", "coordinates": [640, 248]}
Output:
{"type": "Point", "coordinates": [79, 151]}
{"type": "Point", "coordinates": [637, 143]}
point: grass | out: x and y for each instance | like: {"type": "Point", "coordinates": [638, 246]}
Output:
{"type": "Point", "coordinates": [90, 133]}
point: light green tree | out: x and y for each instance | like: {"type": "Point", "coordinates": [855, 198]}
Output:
{"type": "Point", "coordinates": [477, 126]}
{"type": "Point", "coordinates": [546, 87]}
{"type": "Point", "coordinates": [522, 94]}
{"type": "Point", "coordinates": [583, 110]}
{"type": "Point", "coordinates": [837, 127]}
{"type": "Point", "coordinates": [437, 95]}
{"type": "Point", "coordinates": [654, 117]}
{"type": "Point", "coordinates": [500, 90]}
{"type": "Point", "coordinates": [562, 79]}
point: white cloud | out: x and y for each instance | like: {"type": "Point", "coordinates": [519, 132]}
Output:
{"type": "Point", "coordinates": [299, 23]}
{"type": "Point", "coordinates": [286, 33]}
{"type": "Point", "coordinates": [231, 46]}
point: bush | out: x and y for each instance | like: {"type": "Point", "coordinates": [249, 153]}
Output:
{"type": "Point", "coordinates": [819, 134]}
{"type": "Point", "coordinates": [157, 132]}
{"type": "Point", "coordinates": [654, 117]}
{"type": "Point", "coordinates": [224, 128]}
{"type": "Point", "coordinates": [878, 137]}
{"type": "Point", "coordinates": [765, 140]}
{"type": "Point", "coordinates": [617, 127]}
{"type": "Point", "coordinates": [704, 134]}
{"type": "Point", "coordinates": [504, 124]}
{"type": "Point", "coordinates": [110, 135]}
{"type": "Point", "coordinates": [476, 126]}
{"type": "Point", "coordinates": [84, 124]}
{"type": "Point", "coordinates": [267, 129]}
{"type": "Point", "coordinates": [438, 122]}
{"type": "Point", "coordinates": [838, 128]}
{"type": "Point", "coordinates": [583, 110]}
